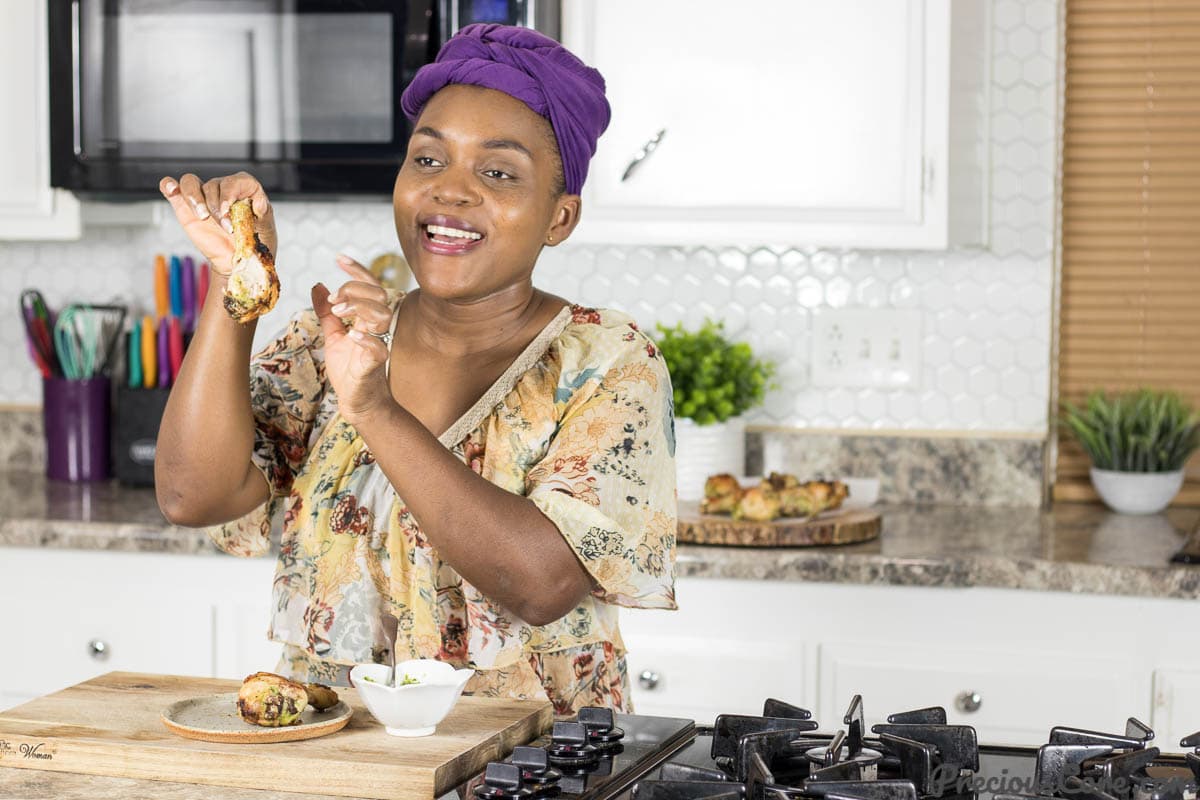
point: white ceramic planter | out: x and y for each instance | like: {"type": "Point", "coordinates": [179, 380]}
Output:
{"type": "Point", "coordinates": [703, 450]}
{"type": "Point", "coordinates": [1136, 492]}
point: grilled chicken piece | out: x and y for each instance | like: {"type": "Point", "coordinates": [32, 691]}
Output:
{"type": "Point", "coordinates": [798, 501]}
{"type": "Point", "coordinates": [758, 504]}
{"type": "Point", "coordinates": [253, 286]}
{"type": "Point", "coordinates": [271, 700]}
{"type": "Point", "coordinates": [721, 494]}
{"type": "Point", "coordinates": [811, 498]}
{"type": "Point", "coordinates": [780, 481]}
{"type": "Point", "coordinates": [320, 696]}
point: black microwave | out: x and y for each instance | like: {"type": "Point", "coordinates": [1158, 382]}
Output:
{"type": "Point", "coordinates": [304, 94]}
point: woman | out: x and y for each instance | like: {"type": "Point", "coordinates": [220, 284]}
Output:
{"type": "Point", "coordinates": [478, 472]}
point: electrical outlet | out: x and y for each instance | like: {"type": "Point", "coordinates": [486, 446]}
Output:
{"type": "Point", "coordinates": [866, 347]}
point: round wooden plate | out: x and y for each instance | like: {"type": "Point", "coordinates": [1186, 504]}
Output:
{"type": "Point", "coordinates": [215, 718]}
{"type": "Point", "coordinates": [831, 527]}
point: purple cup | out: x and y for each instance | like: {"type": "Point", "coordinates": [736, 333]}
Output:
{"type": "Point", "coordinates": [75, 416]}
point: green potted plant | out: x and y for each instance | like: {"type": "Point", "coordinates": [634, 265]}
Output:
{"type": "Point", "coordinates": [1138, 443]}
{"type": "Point", "coordinates": [715, 381]}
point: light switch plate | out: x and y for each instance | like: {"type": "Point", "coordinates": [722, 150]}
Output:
{"type": "Point", "coordinates": [866, 347]}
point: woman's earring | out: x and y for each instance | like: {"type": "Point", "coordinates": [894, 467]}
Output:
{"type": "Point", "coordinates": [550, 240]}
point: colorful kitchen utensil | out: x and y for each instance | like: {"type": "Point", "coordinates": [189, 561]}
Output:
{"type": "Point", "coordinates": [134, 366]}
{"type": "Point", "coordinates": [175, 286]}
{"type": "Point", "coordinates": [175, 346]}
{"type": "Point", "coordinates": [39, 330]}
{"type": "Point", "coordinates": [77, 342]}
{"type": "Point", "coordinates": [189, 294]}
{"type": "Point", "coordinates": [110, 319]}
{"type": "Point", "coordinates": [164, 354]}
{"type": "Point", "coordinates": [149, 346]}
{"type": "Point", "coordinates": [162, 291]}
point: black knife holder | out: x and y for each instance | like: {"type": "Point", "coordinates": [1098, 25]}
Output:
{"type": "Point", "coordinates": [137, 414]}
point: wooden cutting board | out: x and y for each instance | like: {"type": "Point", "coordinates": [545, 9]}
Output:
{"type": "Point", "coordinates": [846, 527]}
{"type": "Point", "coordinates": [110, 726]}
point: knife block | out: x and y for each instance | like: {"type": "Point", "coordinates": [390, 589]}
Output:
{"type": "Point", "coordinates": [137, 414]}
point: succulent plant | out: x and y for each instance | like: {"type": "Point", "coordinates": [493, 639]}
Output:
{"type": "Point", "coordinates": [1140, 431]}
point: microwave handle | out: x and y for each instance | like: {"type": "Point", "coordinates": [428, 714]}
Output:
{"type": "Point", "coordinates": [76, 77]}
{"type": "Point", "coordinates": [420, 31]}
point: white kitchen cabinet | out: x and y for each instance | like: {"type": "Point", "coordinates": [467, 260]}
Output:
{"type": "Point", "coordinates": [1032, 659]}
{"type": "Point", "coordinates": [858, 124]}
{"type": "Point", "coordinates": [724, 651]}
{"type": "Point", "coordinates": [1009, 696]}
{"type": "Point", "coordinates": [242, 616]}
{"type": "Point", "coordinates": [73, 614]}
{"type": "Point", "coordinates": [684, 676]}
{"type": "Point", "coordinates": [1176, 705]}
{"type": "Point", "coordinates": [29, 207]}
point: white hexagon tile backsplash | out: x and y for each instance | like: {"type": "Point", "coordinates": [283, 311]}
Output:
{"type": "Point", "coordinates": [985, 313]}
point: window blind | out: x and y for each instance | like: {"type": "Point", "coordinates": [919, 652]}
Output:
{"type": "Point", "coordinates": [1130, 281]}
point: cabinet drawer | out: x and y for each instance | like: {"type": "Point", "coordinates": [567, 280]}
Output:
{"type": "Point", "coordinates": [147, 613]}
{"type": "Point", "coordinates": [1020, 696]}
{"type": "Point", "coordinates": [698, 678]}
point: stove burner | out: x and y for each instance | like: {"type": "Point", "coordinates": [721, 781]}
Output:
{"type": "Point", "coordinates": [502, 782]}
{"type": "Point", "coordinates": [847, 745]}
{"type": "Point", "coordinates": [569, 748]}
{"type": "Point", "coordinates": [838, 752]}
{"type": "Point", "coordinates": [1103, 766]}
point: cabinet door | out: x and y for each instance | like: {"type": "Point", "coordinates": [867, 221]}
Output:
{"type": "Point", "coordinates": [29, 208]}
{"type": "Point", "coordinates": [812, 121]}
{"type": "Point", "coordinates": [1019, 694]}
{"type": "Point", "coordinates": [243, 615]}
{"type": "Point", "coordinates": [71, 615]}
{"type": "Point", "coordinates": [1176, 707]}
{"type": "Point", "coordinates": [698, 678]}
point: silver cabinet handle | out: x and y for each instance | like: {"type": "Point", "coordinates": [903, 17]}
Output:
{"type": "Point", "coordinates": [648, 680]}
{"type": "Point", "coordinates": [99, 649]}
{"type": "Point", "coordinates": [968, 702]}
{"type": "Point", "coordinates": [648, 148]}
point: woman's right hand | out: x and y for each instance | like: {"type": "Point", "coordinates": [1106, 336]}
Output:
{"type": "Point", "coordinates": [203, 211]}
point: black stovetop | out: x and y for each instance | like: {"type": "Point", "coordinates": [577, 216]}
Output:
{"type": "Point", "coordinates": [783, 756]}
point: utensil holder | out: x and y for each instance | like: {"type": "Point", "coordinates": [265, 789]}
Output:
{"type": "Point", "coordinates": [135, 433]}
{"type": "Point", "coordinates": [75, 417]}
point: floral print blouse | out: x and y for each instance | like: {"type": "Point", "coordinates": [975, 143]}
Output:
{"type": "Point", "coordinates": [581, 424]}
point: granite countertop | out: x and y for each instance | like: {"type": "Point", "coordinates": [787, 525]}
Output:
{"type": "Point", "coordinates": [1072, 547]}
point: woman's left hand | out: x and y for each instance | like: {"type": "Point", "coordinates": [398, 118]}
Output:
{"type": "Point", "coordinates": [354, 358]}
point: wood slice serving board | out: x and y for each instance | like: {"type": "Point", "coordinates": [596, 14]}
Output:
{"type": "Point", "coordinates": [847, 527]}
{"type": "Point", "coordinates": [110, 725]}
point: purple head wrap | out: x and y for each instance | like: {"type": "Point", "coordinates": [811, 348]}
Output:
{"type": "Point", "coordinates": [534, 69]}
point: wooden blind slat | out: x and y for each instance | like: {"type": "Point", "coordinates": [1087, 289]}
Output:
{"type": "Point", "coordinates": [1130, 282]}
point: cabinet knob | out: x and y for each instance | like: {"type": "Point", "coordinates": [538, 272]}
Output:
{"type": "Point", "coordinates": [648, 148]}
{"type": "Point", "coordinates": [648, 679]}
{"type": "Point", "coordinates": [968, 702]}
{"type": "Point", "coordinates": [98, 649]}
